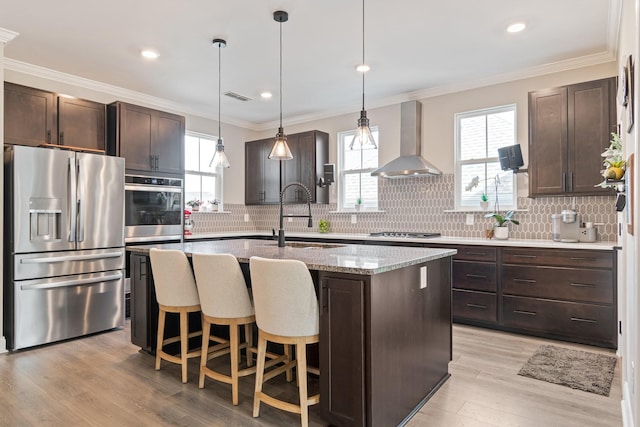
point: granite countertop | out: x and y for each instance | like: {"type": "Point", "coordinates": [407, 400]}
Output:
{"type": "Point", "coordinates": [355, 259]}
{"type": "Point", "coordinates": [528, 243]}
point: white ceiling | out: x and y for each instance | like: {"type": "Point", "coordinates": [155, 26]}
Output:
{"type": "Point", "coordinates": [416, 48]}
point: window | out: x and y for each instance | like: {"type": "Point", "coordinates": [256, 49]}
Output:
{"type": "Point", "coordinates": [355, 167]}
{"type": "Point", "coordinates": [201, 182]}
{"type": "Point", "coordinates": [478, 136]}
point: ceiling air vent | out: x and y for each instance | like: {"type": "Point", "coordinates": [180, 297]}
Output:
{"type": "Point", "coordinates": [237, 96]}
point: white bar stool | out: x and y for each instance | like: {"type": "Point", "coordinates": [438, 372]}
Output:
{"type": "Point", "coordinates": [176, 293]}
{"type": "Point", "coordinates": [225, 300]}
{"type": "Point", "coordinates": [286, 308]}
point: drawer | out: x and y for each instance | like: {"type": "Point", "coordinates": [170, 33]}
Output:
{"type": "Point", "coordinates": [558, 257]}
{"type": "Point", "coordinates": [475, 253]}
{"type": "Point", "coordinates": [477, 276]}
{"type": "Point", "coordinates": [586, 321]}
{"type": "Point", "coordinates": [474, 305]}
{"type": "Point", "coordinates": [572, 284]}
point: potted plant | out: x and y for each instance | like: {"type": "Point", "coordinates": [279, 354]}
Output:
{"type": "Point", "coordinates": [194, 204]}
{"type": "Point", "coordinates": [614, 163]}
{"type": "Point", "coordinates": [358, 203]}
{"type": "Point", "coordinates": [500, 228]}
{"type": "Point", "coordinates": [323, 226]}
{"type": "Point", "coordinates": [484, 201]}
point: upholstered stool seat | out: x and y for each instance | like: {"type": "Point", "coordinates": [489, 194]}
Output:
{"type": "Point", "coordinates": [286, 308]}
{"type": "Point", "coordinates": [176, 293]}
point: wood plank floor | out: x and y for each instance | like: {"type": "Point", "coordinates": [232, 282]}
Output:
{"type": "Point", "coordinates": [103, 380]}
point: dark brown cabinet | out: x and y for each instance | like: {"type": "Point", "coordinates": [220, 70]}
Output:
{"type": "Point", "coordinates": [474, 283]}
{"type": "Point", "coordinates": [569, 127]}
{"type": "Point", "coordinates": [148, 139]}
{"type": "Point", "coordinates": [35, 117]}
{"type": "Point", "coordinates": [310, 152]}
{"type": "Point", "coordinates": [262, 175]}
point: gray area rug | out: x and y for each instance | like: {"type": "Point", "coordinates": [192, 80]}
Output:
{"type": "Point", "coordinates": [577, 369]}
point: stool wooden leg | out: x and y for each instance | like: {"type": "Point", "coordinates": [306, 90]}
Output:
{"type": "Point", "coordinates": [160, 337]}
{"type": "Point", "coordinates": [262, 350]}
{"type": "Point", "coordinates": [235, 355]}
{"type": "Point", "coordinates": [206, 331]}
{"type": "Point", "coordinates": [287, 352]}
{"type": "Point", "coordinates": [248, 337]}
{"type": "Point", "coordinates": [184, 343]}
{"type": "Point", "coordinates": [301, 370]}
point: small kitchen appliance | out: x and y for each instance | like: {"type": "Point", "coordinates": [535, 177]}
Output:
{"type": "Point", "coordinates": [565, 227]}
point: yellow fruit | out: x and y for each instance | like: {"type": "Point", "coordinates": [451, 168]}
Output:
{"type": "Point", "coordinates": [614, 173]}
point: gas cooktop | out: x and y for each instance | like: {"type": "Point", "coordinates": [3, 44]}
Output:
{"type": "Point", "coordinates": [408, 234]}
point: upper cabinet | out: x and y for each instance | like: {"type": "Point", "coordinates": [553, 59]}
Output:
{"type": "Point", "coordinates": [35, 117]}
{"type": "Point", "coordinates": [148, 139]}
{"type": "Point", "coordinates": [310, 152]}
{"type": "Point", "coordinates": [569, 127]}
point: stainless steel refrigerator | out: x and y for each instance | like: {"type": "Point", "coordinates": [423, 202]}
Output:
{"type": "Point", "coordinates": [64, 245]}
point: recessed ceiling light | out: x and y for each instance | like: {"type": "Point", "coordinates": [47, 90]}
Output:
{"type": "Point", "coordinates": [266, 95]}
{"type": "Point", "coordinates": [150, 54]}
{"type": "Point", "coordinates": [363, 68]}
{"type": "Point", "coordinates": [516, 27]}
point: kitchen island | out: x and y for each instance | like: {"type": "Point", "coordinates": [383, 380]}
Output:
{"type": "Point", "coordinates": [385, 321]}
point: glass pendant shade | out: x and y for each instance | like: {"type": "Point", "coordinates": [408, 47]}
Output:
{"type": "Point", "coordinates": [363, 134]}
{"type": "Point", "coordinates": [219, 158]}
{"type": "Point", "coordinates": [280, 150]}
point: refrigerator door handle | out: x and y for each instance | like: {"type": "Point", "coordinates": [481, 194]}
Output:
{"type": "Point", "coordinates": [68, 283]}
{"type": "Point", "coordinates": [81, 203]}
{"type": "Point", "coordinates": [51, 260]}
{"type": "Point", "coordinates": [73, 202]}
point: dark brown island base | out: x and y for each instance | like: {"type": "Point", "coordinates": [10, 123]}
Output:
{"type": "Point", "coordinates": [385, 321]}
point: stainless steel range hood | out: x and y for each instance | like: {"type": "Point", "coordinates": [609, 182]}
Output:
{"type": "Point", "coordinates": [410, 163]}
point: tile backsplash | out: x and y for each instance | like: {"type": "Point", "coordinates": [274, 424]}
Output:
{"type": "Point", "coordinates": [415, 204]}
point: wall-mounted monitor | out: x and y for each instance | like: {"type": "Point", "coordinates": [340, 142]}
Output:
{"type": "Point", "coordinates": [510, 157]}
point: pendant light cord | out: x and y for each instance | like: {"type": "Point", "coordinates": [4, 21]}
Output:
{"type": "Point", "coordinates": [363, 54]}
{"type": "Point", "coordinates": [280, 74]}
{"type": "Point", "coordinates": [219, 88]}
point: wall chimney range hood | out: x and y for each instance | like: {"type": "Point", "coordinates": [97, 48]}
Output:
{"type": "Point", "coordinates": [410, 163]}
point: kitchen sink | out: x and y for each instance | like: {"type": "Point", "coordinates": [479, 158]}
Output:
{"type": "Point", "coordinates": [308, 245]}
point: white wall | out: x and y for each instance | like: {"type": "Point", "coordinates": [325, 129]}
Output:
{"type": "Point", "coordinates": [628, 295]}
{"type": "Point", "coordinates": [5, 37]}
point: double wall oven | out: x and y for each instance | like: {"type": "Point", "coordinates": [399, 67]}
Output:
{"type": "Point", "coordinates": [154, 208]}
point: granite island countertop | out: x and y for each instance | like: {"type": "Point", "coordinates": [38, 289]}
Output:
{"type": "Point", "coordinates": [347, 258]}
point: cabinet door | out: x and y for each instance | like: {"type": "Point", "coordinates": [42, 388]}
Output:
{"type": "Point", "coordinates": [342, 351]}
{"type": "Point", "coordinates": [136, 133]}
{"type": "Point", "coordinates": [301, 168]}
{"type": "Point", "coordinates": [81, 123]}
{"type": "Point", "coordinates": [29, 116]}
{"type": "Point", "coordinates": [139, 301]}
{"type": "Point", "coordinates": [548, 142]}
{"type": "Point", "coordinates": [168, 144]}
{"type": "Point", "coordinates": [253, 192]}
{"type": "Point", "coordinates": [588, 134]}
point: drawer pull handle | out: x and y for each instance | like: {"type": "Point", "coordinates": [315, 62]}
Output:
{"type": "Point", "coordinates": [476, 276]}
{"type": "Point", "coordinates": [477, 253]}
{"type": "Point", "coordinates": [578, 319]}
{"type": "Point", "coordinates": [583, 285]}
{"type": "Point", "coordinates": [524, 256]}
{"type": "Point", "coordinates": [484, 307]}
{"type": "Point", "coordinates": [524, 280]}
{"type": "Point", "coordinates": [583, 259]}
{"type": "Point", "coordinates": [528, 313]}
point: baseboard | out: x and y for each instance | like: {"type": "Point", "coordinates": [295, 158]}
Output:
{"type": "Point", "coordinates": [625, 406]}
{"type": "Point", "coordinates": [3, 345]}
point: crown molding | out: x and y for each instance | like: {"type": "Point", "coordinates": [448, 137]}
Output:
{"type": "Point", "coordinates": [117, 92]}
{"type": "Point", "coordinates": [7, 35]}
{"type": "Point", "coordinates": [167, 105]}
{"type": "Point", "coordinates": [613, 26]}
{"type": "Point", "coordinates": [555, 67]}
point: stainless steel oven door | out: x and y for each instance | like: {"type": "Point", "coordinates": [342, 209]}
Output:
{"type": "Point", "coordinates": [153, 211]}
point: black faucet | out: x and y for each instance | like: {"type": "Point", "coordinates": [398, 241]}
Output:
{"type": "Point", "coordinates": [282, 215]}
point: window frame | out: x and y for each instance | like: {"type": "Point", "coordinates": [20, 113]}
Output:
{"type": "Point", "coordinates": [343, 139]}
{"type": "Point", "coordinates": [459, 185]}
{"type": "Point", "coordinates": [218, 175]}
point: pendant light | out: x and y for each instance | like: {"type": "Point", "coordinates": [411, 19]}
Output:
{"type": "Point", "coordinates": [219, 159]}
{"type": "Point", "coordinates": [280, 150]}
{"type": "Point", "coordinates": [363, 132]}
